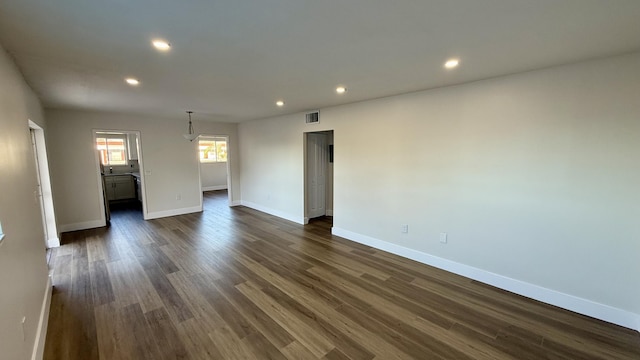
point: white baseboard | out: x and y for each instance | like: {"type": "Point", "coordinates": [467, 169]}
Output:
{"type": "Point", "coordinates": [329, 212]}
{"type": "Point", "coordinates": [173, 212]}
{"type": "Point", "coordinates": [236, 203]}
{"type": "Point", "coordinates": [580, 305]}
{"type": "Point", "coordinates": [278, 213]}
{"type": "Point", "coordinates": [53, 242]}
{"type": "Point", "coordinates": [82, 226]}
{"type": "Point", "coordinates": [43, 323]}
{"type": "Point", "coordinates": [214, 187]}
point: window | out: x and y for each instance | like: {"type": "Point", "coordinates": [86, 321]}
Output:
{"type": "Point", "coordinates": [112, 148]}
{"type": "Point", "coordinates": [212, 150]}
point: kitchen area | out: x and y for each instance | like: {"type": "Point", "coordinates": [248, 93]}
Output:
{"type": "Point", "coordinates": [119, 158]}
{"type": "Point", "coordinates": [124, 186]}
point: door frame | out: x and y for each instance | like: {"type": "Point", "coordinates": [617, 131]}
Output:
{"type": "Point", "coordinates": [101, 194]}
{"type": "Point", "coordinates": [228, 165]}
{"type": "Point", "coordinates": [49, 222]}
{"type": "Point", "coordinates": [328, 180]}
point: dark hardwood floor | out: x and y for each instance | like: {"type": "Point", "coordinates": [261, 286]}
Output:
{"type": "Point", "coordinates": [234, 283]}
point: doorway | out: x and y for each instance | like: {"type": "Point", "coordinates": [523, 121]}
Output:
{"type": "Point", "coordinates": [318, 167]}
{"type": "Point", "coordinates": [119, 167]}
{"type": "Point", "coordinates": [214, 164]}
{"type": "Point", "coordinates": [44, 194]}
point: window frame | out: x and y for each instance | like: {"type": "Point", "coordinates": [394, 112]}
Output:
{"type": "Point", "coordinates": [125, 149]}
{"type": "Point", "coordinates": [215, 140]}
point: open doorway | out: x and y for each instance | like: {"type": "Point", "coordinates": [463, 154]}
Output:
{"type": "Point", "coordinates": [215, 171]}
{"type": "Point", "coordinates": [120, 172]}
{"type": "Point", "coordinates": [44, 193]}
{"type": "Point", "coordinates": [318, 168]}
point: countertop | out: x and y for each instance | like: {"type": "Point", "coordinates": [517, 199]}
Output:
{"type": "Point", "coordinates": [134, 174]}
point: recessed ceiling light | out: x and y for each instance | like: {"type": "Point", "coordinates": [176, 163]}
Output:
{"type": "Point", "coordinates": [132, 81]}
{"type": "Point", "coordinates": [161, 45]}
{"type": "Point", "coordinates": [280, 103]}
{"type": "Point", "coordinates": [341, 89]}
{"type": "Point", "coordinates": [452, 63]}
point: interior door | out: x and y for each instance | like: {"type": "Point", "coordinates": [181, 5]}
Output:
{"type": "Point", "coordinates": [317, 158]}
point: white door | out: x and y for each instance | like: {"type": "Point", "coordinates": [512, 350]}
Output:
{"type": "Point", "coordinates": [317, 158]}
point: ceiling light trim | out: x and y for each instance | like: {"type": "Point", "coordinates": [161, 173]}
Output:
{"type": "Point", "coordinates": [161, 45]}
{"type": "Point", "coordinates": [452, 63]}
{"type": "Point", "coordinates": [132, 81]}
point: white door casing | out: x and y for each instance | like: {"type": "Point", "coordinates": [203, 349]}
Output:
{"type": "Point", "coordinates": [317, 158]}
{"type": "Point", "coordinates": [39, 186]}
{"type": "Point", "coordinates": [43, 190]}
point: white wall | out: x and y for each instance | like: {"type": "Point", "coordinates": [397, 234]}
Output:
{"type": "Point", "coordinates": [169, 163]}
{"type": "Point", "coordinates": [533, 176]}
{"type": "Point", "coordinates": [272, 165]}
{"type": "Point", "coordinates": [23, 269]}
{"type": "Point", "coordinates": [213, 176]}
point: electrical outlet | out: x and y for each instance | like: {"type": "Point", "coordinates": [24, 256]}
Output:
{"type": "Point", "coordinates": [443, 238]}
{"type": "Point", "coordinates": [404, 228]}
{"type": "Point", "coordinates": [179, 197]}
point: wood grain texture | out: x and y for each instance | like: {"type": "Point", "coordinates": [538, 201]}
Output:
{"type": "Point", "coordinates": [234, 283]}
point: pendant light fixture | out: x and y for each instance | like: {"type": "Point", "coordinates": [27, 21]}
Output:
{"type": "Point", "coordinates": [190, 135]}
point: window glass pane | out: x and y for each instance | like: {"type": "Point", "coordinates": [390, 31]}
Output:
{"type": "Point", "coordinates": [207, 150]}
{"type": "Point", "coordinates": [112, 150]}
{"type": "Point", "coordinates": [221, 150]}
{"type": "Point", "coordinates": [116, 149]}
{"type": "Point", "coordinates": [101, 144]}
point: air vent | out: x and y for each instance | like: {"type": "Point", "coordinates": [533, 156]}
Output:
{"type": "Point", "coordinates": [312, 117]}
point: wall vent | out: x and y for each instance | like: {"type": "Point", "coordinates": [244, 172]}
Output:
{"type": "Point", "coordinates": [312, 117]}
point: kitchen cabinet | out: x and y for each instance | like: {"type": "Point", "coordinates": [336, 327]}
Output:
{"type": "Point", "coordinates": [119, 187]}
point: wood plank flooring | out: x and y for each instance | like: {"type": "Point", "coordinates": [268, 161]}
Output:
{"type": "Point", "coordinates": [234, 283]}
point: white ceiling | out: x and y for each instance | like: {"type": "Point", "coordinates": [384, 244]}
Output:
{"type": "Point", "coordinates": [231, 60]}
